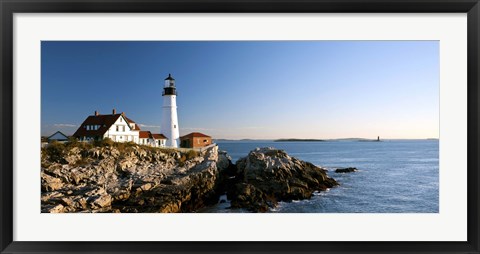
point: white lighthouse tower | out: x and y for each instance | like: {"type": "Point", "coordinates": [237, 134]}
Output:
{"type": "Point", "coordinates": [169, 124]}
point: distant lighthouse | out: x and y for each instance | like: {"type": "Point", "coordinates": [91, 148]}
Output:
{"type": "Point", "coordinates": [169, 126]}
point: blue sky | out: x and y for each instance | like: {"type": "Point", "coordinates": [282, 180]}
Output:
{"type": "Point", "coordinates": [249, 89]}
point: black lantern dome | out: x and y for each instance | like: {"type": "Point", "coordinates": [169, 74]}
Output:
{"type": "Point", "coordinates": [169, 88]}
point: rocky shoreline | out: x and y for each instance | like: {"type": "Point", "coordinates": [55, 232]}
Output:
{"type": "Point", "coordinates": [133, 178]}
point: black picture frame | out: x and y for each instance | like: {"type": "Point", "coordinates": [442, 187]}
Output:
{"type": "Point", "coordinates": [9, 7]}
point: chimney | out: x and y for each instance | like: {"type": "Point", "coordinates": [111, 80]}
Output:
{"type": "Point", "coordinates": [114, 112]}
{"type": "Point", "coordinates": [96, 113]}
{"type": "Point", "coordinates": [123, 114]}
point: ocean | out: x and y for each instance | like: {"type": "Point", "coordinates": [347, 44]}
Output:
{"type": "Point", "coordinates": [395, 176]}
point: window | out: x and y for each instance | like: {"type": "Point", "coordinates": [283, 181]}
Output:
{"type": "Point", "coordinates": [198, 141]}
{"type": "Point", "coordinates": [121, 119]}
{"type": "Point", "coordinates": [174, 126]}
{"type": "Point", "coordinates": [117, 127]}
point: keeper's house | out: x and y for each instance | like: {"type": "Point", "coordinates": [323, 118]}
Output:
{"type": "Point", "coordinates": [195, 140]}
{"type": "Point", "coordinates": [118, 128]}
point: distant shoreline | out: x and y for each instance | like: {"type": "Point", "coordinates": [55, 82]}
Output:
{"type": "Point", "coordinates": [298, 140]}
{"type": "Point", "coordinates": [326, 140]}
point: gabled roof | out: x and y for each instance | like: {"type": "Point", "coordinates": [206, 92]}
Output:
{"type": "Point", "coordinates": [148, 134]}
{"type": "Point", "coordinates": [105, 122]}
{"type": "Point", "coordinates": [145, 134]}
{"type": "Point", "coordinates": [159, 136]}
{"type": "Point", "coordinates": [196, 135]}
{"type": "Point", "coordinates": [136, 128]}
{"type": "Point", "coordinates": [61, 136]}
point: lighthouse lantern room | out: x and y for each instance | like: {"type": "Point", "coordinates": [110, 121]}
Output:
{"type": "Point", "coordinates": [169, 125]}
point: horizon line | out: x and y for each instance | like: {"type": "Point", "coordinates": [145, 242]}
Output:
{"type": "Point", "coordinates": [319, 139]}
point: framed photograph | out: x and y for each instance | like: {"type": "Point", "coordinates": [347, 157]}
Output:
{"type": "Point", "coordinates": [227, 126]}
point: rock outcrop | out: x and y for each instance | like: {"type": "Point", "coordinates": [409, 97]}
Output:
{"type": "Point", "coordinates": [129, 179]}
{"type": "Point", "coordinates": [268, 175]}
{"type": "Point", "coordinates": [345, 170]}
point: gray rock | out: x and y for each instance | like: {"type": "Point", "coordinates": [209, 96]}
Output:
{"type": "Point", "coordinates": [268, 175]}
{"type": "Point", "coordinates": [345, 170]}
{"type": "Point", "coordinates": [133, 179]}
{"type": "Point", "coordinates": [50, 183]}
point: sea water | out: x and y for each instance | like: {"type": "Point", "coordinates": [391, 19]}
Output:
{"type": "Point", "coordinates": [394, 176]}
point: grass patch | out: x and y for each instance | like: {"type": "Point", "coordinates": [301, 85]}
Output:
{"type": "Point", "coordinates": [192, 154]}
{"type": "Point", "coordinates": [55, 152]}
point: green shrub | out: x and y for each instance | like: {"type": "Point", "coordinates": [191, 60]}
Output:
{"type": "Point", "coordinates": [124, 146]}
{"type": "Point", "coordinates": [72, 142]}
{"type": "Point", "coordinates": [104, 142]}
{"type": "Point", "coordinates": [192, 154]}
{"type": "Point", "coordinates": [56, 151]}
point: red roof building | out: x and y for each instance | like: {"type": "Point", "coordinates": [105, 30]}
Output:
{"type": "Point", "coordinates": [195, 140]}
{"type": "Point", "coordinates": [147, 138]}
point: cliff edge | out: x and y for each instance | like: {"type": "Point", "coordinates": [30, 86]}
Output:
{"type": "Point", "coordinates": [128, 178]}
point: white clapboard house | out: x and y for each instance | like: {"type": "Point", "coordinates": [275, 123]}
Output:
{"type": "Point", "coordinates": [152, 139]}
{"type": "Point", "coordinates": [118, 128]}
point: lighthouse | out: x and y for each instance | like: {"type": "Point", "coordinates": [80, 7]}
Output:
{"type": "Point", "coordinates": [169, 126]}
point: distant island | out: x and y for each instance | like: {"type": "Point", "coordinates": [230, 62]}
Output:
{"type": "Point", "coordinates": [323, 140]}
{"type": "Point", "coordinates": [298, 139]}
